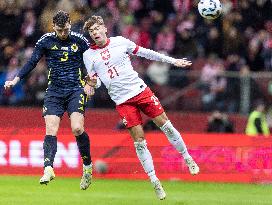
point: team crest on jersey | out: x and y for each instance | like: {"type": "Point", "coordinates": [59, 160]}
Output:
{"type": "Point", "coordinates": [54, 47]}
{"type": "Point", "coordinates": [105, 55]}
{"type": "Point", "coordinates": [74, 47]}
{"type": "Point", "coordinates": [124, 121]}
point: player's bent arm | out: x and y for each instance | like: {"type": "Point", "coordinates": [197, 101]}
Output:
{"type": "Point", "coordinates": [31, 64]}
{"type": "Point", "coordinates": [35, 57]}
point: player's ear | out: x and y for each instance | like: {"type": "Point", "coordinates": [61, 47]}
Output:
{"type": "Point", "coordinates": [53, 26]}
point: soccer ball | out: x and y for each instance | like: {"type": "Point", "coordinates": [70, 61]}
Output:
{"type": "Point", "coordinates": [209, 9]}
{"type": "Point", "coordinates": [100, 166]}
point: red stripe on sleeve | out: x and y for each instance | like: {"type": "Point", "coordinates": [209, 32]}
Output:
{"type": "Point", "coordinates": [136, 50]}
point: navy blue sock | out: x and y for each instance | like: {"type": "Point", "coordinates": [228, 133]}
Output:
{"type": "Point", "coordinates": [50, 150]}
{"type": "Point", "coordinates": [83, 144]}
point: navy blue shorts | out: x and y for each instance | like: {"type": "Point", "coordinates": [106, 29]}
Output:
{"type": "Point", "coordinates": [56, 102]}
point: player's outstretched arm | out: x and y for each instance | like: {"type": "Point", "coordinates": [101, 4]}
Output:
{"type": "Point", "coordinates": [28, 67]}
{"type": "Point", "coordinates": [154, 55]}
{"type": "Point", "coordinates": [11, 83]}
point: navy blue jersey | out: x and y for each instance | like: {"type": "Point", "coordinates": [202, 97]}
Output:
{"type": "Point", "coordinates": [63, 57]}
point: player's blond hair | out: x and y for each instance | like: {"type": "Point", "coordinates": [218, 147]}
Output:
{"type": "Point", "coordinates": [91, 21]}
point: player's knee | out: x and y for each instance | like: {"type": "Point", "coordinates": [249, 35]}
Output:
{"type": "Point", "coordinates": [140, 145]}
{"type": "Point", "coordinates": [51, 130]}
{"type": "Point", "coordinates": [77, 130]}
{"type": "Point", "coordinates": [161, 120]}
{"type": "Point", "coordinates": [139, 139]}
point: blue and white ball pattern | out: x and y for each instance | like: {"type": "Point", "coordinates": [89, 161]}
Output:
{"type": "Point", "coordinates": [209, 9]}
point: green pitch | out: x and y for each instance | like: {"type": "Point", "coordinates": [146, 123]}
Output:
{"type": "Point", "coordinates": [63, 191]}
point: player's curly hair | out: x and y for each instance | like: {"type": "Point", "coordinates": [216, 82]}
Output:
{"type": "Point", "coordinates": [61, 18]}
{"type": "Point", "coordinates": [91, 21]}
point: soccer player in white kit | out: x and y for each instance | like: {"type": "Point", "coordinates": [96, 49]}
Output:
{"type": "Point", "coordinates": [108, 59]}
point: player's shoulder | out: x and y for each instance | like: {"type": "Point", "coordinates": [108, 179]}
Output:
{"type": "Point", "coordinates": [46, 36]}
{"type": "Point", "coordinates": [119, 41]}
{"type": "Point", "coordinates": [89, 52]}
{"type": "Point", "coordinates": [118, 38]}
{"type": "Point", "coordinates": [79, 37]}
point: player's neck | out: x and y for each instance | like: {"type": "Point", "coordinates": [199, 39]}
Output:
{"type": "Point", "coordinates": [103, 43]}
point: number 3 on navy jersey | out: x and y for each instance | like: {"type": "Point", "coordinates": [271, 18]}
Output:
{"type": "Point", "coordinates": [113, 72]}
{"type": "Point", "coordinates": [65, 56]}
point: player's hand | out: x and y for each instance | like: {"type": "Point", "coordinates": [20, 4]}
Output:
{"type": "Point", "coordinates": [11, 83]}
{"type": "Point", "coordinates": [182, 62]}
{"type": "Point", "coordinates": [88, 90]}
{"type": "Point", "coordinates": [91, 81]}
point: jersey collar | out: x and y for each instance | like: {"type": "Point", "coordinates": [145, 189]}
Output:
{"type": "Point", "coordinates": [94, 46]}
{"type": "Point", "coordinates": [67, 39]}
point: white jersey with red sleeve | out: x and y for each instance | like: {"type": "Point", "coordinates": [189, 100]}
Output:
{"type": "Point", "coordinates": [111, 63]}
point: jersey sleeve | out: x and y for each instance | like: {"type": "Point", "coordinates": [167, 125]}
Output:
{"type": "Point", "coordinates": [34, 59]}
{"type": "Point", "coordinates": [134, 49]}
{"type": "Point", "coordinates": [153, 55]}
{"type": "Point", "coordinates": [84, 47]}
{"type": "Point", "coordinates": [84, 44]}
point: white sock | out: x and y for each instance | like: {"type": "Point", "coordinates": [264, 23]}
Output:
{"type": "Point", "coordinates": [88, 166]}
{"type": "Point", "coordinates": [175, 139]}
{"type": "Point", "coordinates": [146, 159]}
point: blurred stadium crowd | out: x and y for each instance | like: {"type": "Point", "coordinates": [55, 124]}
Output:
{"type": "Point", "coordinates": [239, 41]}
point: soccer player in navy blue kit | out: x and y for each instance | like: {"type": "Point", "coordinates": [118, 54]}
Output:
{"type": "Point", "coordinates": [63, 50]}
